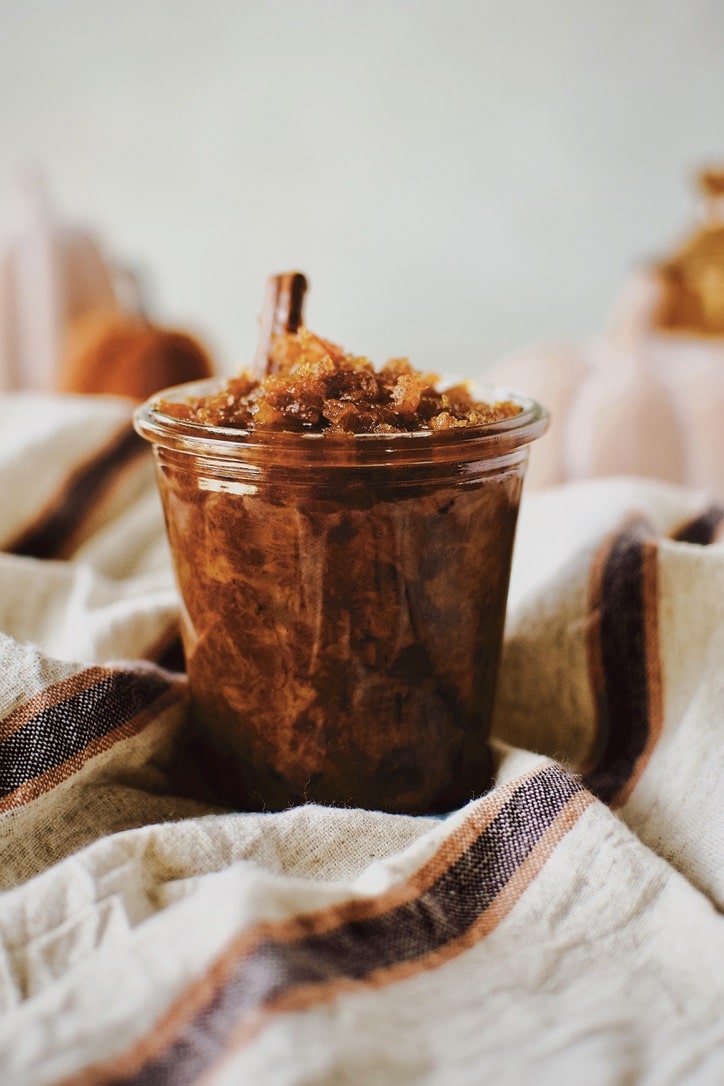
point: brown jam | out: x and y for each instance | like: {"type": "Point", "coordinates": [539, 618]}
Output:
{"type": "Point", "coordinates": [315, 387]}
{"type": "Point", "coordinates": [343, 596]}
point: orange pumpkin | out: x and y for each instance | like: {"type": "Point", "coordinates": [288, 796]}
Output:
{"type": "Point", "coordinates": [123, 354]}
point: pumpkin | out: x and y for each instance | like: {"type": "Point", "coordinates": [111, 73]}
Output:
{"type": "Point", "coordinates": [122, 354]}
{"type": "Point", "coordinates": [646, 398]}
{"type": "Point", "coordinates": [51, 272]}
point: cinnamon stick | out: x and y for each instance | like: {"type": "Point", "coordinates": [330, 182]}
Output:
{"type": "Point", "coordinates": [282, 312]}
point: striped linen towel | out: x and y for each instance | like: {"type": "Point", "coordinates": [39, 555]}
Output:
{"type": "Point", "coordinates": [565, 927]}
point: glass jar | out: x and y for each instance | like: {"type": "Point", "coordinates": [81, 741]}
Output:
{"type": "Point", "coordinates": [342, 602]}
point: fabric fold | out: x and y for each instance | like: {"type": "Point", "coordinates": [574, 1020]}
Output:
{"type": "Point", "coordinates": [565, 926]}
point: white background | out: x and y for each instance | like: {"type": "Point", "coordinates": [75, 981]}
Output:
{"type": "Point", "coordinates": [458, 179]}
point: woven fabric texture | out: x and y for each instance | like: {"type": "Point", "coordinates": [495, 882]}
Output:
{"type": "Point", "coordinates": [564, 927]}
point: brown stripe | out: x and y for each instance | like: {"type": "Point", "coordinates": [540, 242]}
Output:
{"type": "Point", "coordinates": [50, 534]}
{"type": "Point", "coordinates": [50, 697]}
{"type": "Point", "coordinates": [46, 782]}
{"type": "Point", "coordinates": [56, 732]}
{"type": "Point", "coordinates": [624, 663]}
{"type": "Point", "coordinates": [304, 998]}
{"type": "Point", "coordinates": [596, 675]}
{"type": "Point", "coordinates": [301, 998]}
{"type": "Point", "coordinates": [446, 907]}
{"type": "Point", "coordinates": [201, 994]}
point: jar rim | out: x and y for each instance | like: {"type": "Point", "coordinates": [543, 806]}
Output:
{"type": "Point", "coordinates": [488, 439]}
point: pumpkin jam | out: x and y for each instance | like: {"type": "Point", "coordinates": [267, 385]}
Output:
{"type": "Point", "coordinates": [342, 548]}
{"type": "Point", "coordinates": [315, 386]}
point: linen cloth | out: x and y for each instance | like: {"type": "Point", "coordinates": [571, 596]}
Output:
{"type": "Point", "coordinates": [565, 927]}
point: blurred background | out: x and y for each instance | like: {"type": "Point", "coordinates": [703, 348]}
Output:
{"type": "Point", "coordinates": [458, 178]}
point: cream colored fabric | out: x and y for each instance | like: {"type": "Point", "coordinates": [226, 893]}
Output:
{"type": "Point", "coordinates": [540, 934]}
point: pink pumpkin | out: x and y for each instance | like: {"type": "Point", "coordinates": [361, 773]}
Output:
{"type": "Point", "coordinates": [51, 272]}
{"type": "Point", "coordinates": [636, 403]}
{"type": "Point", "coordinates": [648, 398]}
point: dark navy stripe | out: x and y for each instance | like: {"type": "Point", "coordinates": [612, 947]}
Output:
{"type": "Point", "coordinates": [703, 528]}
{"type": "Point", "coordinates": [48, 536]}
{"type": "Point", "coordinates": [354, 950]}
{"type": "Point", "coordinates": [62, 731]}
{"type": "Point", "coordinates": [623, 703]}
{"type": "Point", "coordinates": [172, 658]}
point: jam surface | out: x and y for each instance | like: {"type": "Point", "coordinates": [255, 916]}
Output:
{"type": "Point", "coordinates": [315, 386]}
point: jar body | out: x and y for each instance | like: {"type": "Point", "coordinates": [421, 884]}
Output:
{"type": "Point", "coordinates": [342, 637]}
{"type": "Point", "coordinates": [342, 606]}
